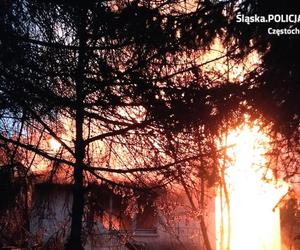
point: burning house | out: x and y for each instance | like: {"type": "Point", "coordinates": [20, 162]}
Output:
{"type": "Point", "coordinates": [113, 221]}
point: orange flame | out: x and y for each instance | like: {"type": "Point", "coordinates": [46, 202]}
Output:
{"type": "Point", "coordinates": [246, 213]}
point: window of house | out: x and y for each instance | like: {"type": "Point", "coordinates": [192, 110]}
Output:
{"type": "Point", "coordinates": [146, 218]}
{"type": "Point", "coordinates": [111, 213]}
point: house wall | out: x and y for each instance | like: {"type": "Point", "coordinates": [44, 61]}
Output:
{"type": "Point", "coordinates": [51, 206]}
{"type": "Point", "coordinates": [50, 219]}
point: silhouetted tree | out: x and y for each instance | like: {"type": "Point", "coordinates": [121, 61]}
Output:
{"type": "Point", "coordinates": [120, 86]}
{"type": "Point", "coordinates": [117, 85]}
{"type": "Point", "coordinates": [274, 88]}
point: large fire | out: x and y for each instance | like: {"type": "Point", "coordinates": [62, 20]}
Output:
{"type": "Point", "coordinates": [247, 216]}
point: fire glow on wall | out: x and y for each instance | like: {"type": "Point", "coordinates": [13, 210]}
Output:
{"type": "Point", "coordinates": [246, 213]}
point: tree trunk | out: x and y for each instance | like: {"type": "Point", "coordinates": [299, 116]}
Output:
{"type": "Point", "coordinates": [74, 241]}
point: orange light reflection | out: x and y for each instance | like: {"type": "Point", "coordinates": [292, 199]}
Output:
{"type": "Point", "coordinates": [54, 144]}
